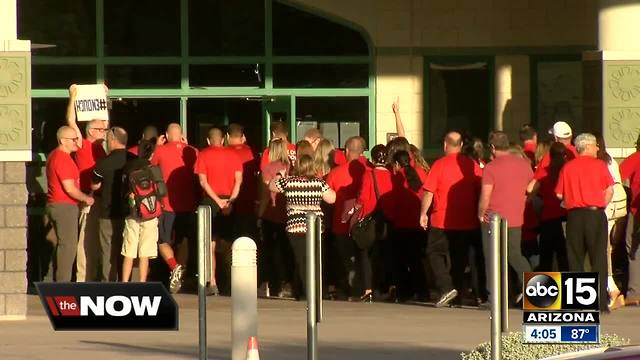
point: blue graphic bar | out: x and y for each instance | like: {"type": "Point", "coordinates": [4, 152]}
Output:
{"type": "Point", "coordinates": [580, 334]}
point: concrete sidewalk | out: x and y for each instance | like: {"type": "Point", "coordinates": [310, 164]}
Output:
{"type": "Point", "coordinates": [350, 331]}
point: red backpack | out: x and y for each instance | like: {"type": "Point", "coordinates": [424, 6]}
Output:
{"type": "Point", "coordinates": [147, 188]}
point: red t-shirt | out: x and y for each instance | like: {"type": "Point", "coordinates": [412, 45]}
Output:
{"type": "Point", "coordinates": [246, 202]}
{"type": "Point", "coordinates": [454, 181]}
{"type": "Point", "coordinates": [582, 182]}
{"type": "Point", "coordinates": [176, 160]}
{"type": "Point", "coordinates": [551, 208]}
{"type": "Point", "coordinates": [276, 210]}
{"type": "Point", "coordinates": [529, 149]}
{"type": "Point", "coordinates": [291, 150]}
{"type": "Point", "coordinates": [402, 205]}
{"type": "Point", "coordinates": [134, 150]}
{"type": "Point", "coordinates": [60, 167]}
{"type": "Point", "coordinates": [509, 175]}
{"type": "Point", "coordinates": [367, 198]}
{"type": "Point", "coordinates": [346, 181]}
{"type": "Point", "coordinates": [543, 167]}
{"type": "Point", "coordinates": [220, 164]}
{"type": "Point", "coordinates": [630, 170]}
{"type": "Point", "coordinates": [86, 158]}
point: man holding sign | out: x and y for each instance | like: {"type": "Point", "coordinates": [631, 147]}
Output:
{"type": "Point", "coordinates": [90, 150]}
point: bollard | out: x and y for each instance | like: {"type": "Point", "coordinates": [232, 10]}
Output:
{"type": "Point", "coordinates": [314, 286]}
{"type": "Point", "coordinates": [244, 296]}
{"type": "Point", "coordinates": [204, 263]}
{"type": "Point", "coordinates": [496, 317]}
{"type": "Point", "coordinates": [504, 275]}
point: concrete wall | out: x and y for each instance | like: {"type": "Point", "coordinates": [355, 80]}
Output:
{"type": "Point", "coordinates": [401, 26]}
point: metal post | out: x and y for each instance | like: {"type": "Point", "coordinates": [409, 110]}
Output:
{"type": "Point", "coordinates": [204, 254]}
{"type": "Point", "coordinates": [504, 272]}
{"type": "Point", "coordinates": [312, 310]}
{"type": "Point", "coordinates": [318, 263]}
{"type": "Point", "coordinates": [244, 296]}
{"type": "Point", "coordinates": [494, 258]}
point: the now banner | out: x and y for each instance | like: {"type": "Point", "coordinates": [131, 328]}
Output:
{"type": "Point", "coordinates": [91, 103]}
{"type": "Point", "coordinates": [108, 306]}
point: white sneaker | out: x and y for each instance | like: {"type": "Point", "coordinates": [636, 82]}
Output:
{"type": "Point", "coordinates": [175, 279]}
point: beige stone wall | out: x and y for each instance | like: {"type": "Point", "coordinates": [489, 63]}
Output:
{"type": "Point", "coordinates": [407, 24]}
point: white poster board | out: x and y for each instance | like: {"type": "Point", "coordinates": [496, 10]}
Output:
{"type": "Point", "coordinates": [330, 131]}
{"type": "Point", "coordinates": [91, 103]}
{"type": "Point", "coordinates": [302, 128]}
{"type": "Point", "coordinates": [347, 130]}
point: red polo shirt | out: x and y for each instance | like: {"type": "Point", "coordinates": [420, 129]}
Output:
{"type": "Point", "coordinates": [455, 182]}
{"type": "Point", "coordinates": [246, 202]}
{"type": "Point", "coordinates": [582, 182]}
{"type": "Point", "coordinates": [402, 204]}
{"type": "Point", "coordinates": [630, 170]}
{"type": "Point", "coordinates": [346, 181]}
{"type": "Point", "coordinates": [220, 164]}
{"type": "Point", "coordinates": [529, 149]}
{"type": "Point", "coordinates": [176, 160]}
{"type": "Point", "coordinates": [543, 166]}
{"type": "Point", "coordinates": [367, 196]}
{"type": "Point", "coordinates": [86, 158]}
{"type": "Point", "coordinates": [291, 150]}
{"type": "Point", "coordinates": [60, 167]}
{"type": "Point", "coordinates": [551, 208]}
{"type": "Point", "coordinates": [509, 175]}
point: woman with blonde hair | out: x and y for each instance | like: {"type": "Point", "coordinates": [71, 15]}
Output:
{"type": "Point", "coordinates": [323, 157]}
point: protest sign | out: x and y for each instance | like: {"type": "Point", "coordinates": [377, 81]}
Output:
{"type": "Point", "coordinates": [91, 103]}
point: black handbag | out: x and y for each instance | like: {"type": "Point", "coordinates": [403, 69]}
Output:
{"type": "Point", "coordinates": [372, 227]}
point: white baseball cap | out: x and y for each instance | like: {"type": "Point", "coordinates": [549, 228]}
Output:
{"type": "Point", "coordinates": [561, 130]}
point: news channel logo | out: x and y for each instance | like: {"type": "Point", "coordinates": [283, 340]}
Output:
{"type": "Point", "coordinates": [561, 291]}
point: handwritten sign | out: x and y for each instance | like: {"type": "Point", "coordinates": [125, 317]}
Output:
{"type": "Point", "coordinates": [91, 103]}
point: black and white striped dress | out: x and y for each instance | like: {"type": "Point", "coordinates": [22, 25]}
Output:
{"type": "Point", "coordinates": [303, 194]}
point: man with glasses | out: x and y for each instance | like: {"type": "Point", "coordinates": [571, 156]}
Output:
{"type": "Point", "coordinates": [63, 196]}
{"type": "Point", "coordinates": [585, 186]}
{"type": "Point", "coordinates": [90, 150]}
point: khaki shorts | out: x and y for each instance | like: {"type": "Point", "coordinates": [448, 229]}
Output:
{"type": "Point", "coordinates": [140, 238]}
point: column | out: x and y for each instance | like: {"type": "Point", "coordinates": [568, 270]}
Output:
{"type": "Point", "coordinates": [15, 150]}
{"type": "Point", "coordinates": [612, 76]}
{"type": "Point", "coordinates": [511, 94]}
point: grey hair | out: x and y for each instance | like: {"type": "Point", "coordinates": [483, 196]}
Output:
{"type": "Point", "coordinates": [583, 140]}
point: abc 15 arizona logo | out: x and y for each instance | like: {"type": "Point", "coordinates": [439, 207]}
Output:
{"type": "Point", "coordinates": [561, 291]}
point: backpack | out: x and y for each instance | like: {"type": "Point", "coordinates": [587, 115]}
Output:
{"type": "Point", "coordinates": [146, 187]}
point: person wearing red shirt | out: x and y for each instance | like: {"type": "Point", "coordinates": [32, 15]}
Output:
{"type": "Point", "coordinates": [150, 133]}
{"type": "Point", "coordinates": [630, 173]}
{"type": "Point", "coordinates": [529, 138]}
{"type": "Point", "coordinates": [505, 195]}
{"type": "Point", "coordinates": [376, 178]}
{"type": "Point", "coordinates": [346, 181]}
{"type": "Point", "coordinates": [452, 187]}
{"type": "Point", "coordinates": [176, 160]}
{"type": "Point", "coordinates": [585, 186]}
{"type": "Point", "coordinates": [562, 133]}
{"type": "Point", "coordinates": [402, 206]}
{"type": "Point", "coordinates": [244, 209]}
{"type": "Point", "coordinates": [279, 130]}
{"type": "Point", "coordinates": [219, 171]}
{"type": "Point", "coordinates": [552, 239]}
{"type": "Point", "coordinates": [90, 150]}
{"type": "Point", "coordinates": [63, 196]}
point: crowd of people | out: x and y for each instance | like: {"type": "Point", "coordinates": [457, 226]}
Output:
{"type": "Point", "coordinates": [394, 227]}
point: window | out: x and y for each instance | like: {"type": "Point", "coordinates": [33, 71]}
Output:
{"type": "Point", "coordinates": [227, 28]}
{"type": "Point", "coordinates": [47, 115]}
{"type": "Point", "coordinates": [62, 76]}
{"type": "Point", "coordinates": [142, 27]}
{"type": "Point", "coordinates": [458, 97]}
{"type": "Point", "coordinates": [66, 29]}
{"type": "Point", "coordinates": [296, 32]}
{"type": "Point", "coordinates": [142, 76]}
{"type": "Point", "coordinates": [558, 89]}
{"type": "Point", "coordinates": [321, 75]}
{"type": "Point", "coordinates": [338, 118]}
{"type": "Point", "coordinates": [249, 75]}
{"type": "Point", "coordinates": [134, 114]}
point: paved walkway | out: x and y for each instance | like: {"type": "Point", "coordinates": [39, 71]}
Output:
{"type": "Point", "coordinates": [350, 331]}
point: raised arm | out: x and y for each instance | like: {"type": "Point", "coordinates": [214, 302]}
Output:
{"type": "Point", "coordinates": [71, 113]}
{"type": "Point", "coordinates": [396, 112]}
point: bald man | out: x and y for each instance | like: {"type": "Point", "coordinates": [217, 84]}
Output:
{"type": "Point", "coordinates": [176, 160]}
{"type": "Point", "coordinates": [219, 172]}
{"type": "Point", "coordinates": [90, 150]}
{"type": "Point", "coordinates": [451, 189]}
{"type": "Point", "coordinates": [63, 197]}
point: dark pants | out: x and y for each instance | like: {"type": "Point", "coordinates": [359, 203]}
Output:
{"type": "Point", "coordinates": [299, 246]}
{"type": "Point", "coordinates": [409, 247]}
{"type": "Point", "coordinates": [439, 258]}
{"type": "Point", "coordinates": [64, 219]}
{"type": "Point", "coordinates": [110, 248]}
{"type": "Point", "coordinates": [514, 253]}
{"type": "Point", "coordinates": [460, 246]}
{"type": "Point", "coordinates": [633, 251]}
{"type": "Point", "coordinates": [587, 235]}
{"type": "Point", "coordinates": [553, 242]}
{"type": "Point", "coordinates": [343, 265]}
{"type": "Point", "coordinates": [276, 262]}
